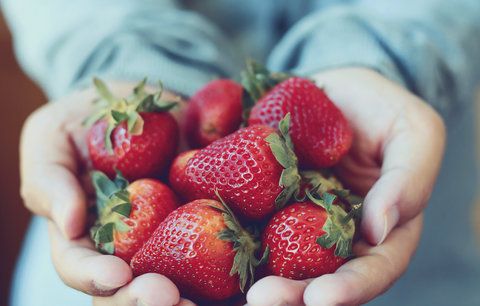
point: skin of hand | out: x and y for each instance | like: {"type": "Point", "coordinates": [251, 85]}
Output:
{"type": "Point", "coordinates": [395, 158]}
{"type": "Point", "coordinates": [55, 184]}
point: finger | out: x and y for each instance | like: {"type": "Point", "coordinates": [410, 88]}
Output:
{"type": "Point", "coordinates": [355, 176]}
{"type": "Point", "coordinates": [84, 269]}
{"type": "Point", "coordinates": [372, 273]}
{"type": "Point", "coordinates": [185, 302]}
{"type": "Point", "coordinates": [145, 290]}
{"type": "Point", "coordinates": [286, 292]}
{"type": "Point", "coordinates": [412, 155]}
{"type": "Point", "coordinates": [48, 166]}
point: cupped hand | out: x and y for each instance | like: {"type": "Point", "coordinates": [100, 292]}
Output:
{"type": "Point", "coordinates": [54, 174]}
{"type": "Point", "coordinates": [394, 161]}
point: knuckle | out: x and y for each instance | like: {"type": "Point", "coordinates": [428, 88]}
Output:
{"type": "Point", "coordinates": [37, 116]}
{"type": "Point", "coordinates": [26, 195]}
{"type": "Point", "coordinates": [433, 122]}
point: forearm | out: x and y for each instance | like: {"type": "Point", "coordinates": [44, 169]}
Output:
{"type": "Point", "coordinates": [62, 44]}
{"type": "Point", "coordinates": [427, 46]}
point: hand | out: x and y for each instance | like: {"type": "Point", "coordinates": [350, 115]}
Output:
{"type": "Point", "coordinates": [53, 163]}
{"type": "Point", "coordinates": [394, 161]}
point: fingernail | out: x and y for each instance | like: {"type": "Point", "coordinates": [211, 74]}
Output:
{"type": "Point", "coordinates": [100, 289]}
{"type": "Point", "coordinates": [390, 219]}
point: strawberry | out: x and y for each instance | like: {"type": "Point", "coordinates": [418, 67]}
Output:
{"type": "Point", "coordinates": [177, 176]}
{"type": "Point", "coordinates": [320, 133]}
{"type": "Point", "coordinates": [203, 249]}
{"type": "Point", "coordinates": [309, 239]}
{"type": "Point", "coordinates": [213, 112]}
{"type": "Point", "coordinates": [136, 135]}
{"type": "Point", "coordinates": [128, 213]}
{"type": "Point", "coordinates": [253, 169]}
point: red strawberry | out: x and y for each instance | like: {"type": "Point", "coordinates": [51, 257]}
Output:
{"type": "Point", "coordinates": [253, 169]}
{"type": "Point", "coordinates": [320, 132]}
{"type": "Point", "coordinates": [177, 177]}
{"type": "Point", "coordinates": [203, 249]}
{"type": "Point", "coordinates": [128, 214]}
{"type": "Point", "coordinates": [136, 136]}
{"type": "Point", "coordinates": [302, 236]}
{"type": "Point", "coordinates": [213, 112]}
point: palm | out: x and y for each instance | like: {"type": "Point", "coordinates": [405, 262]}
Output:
{"type": "Point", "coordinates": [398, 141]}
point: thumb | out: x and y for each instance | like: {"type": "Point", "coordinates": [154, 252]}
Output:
{"type": "Point", "coordinates": [50, 187]}
{"type": "Point", "coordinates": [412, 156]}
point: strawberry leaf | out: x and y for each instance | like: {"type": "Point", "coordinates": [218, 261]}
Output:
{"type": "Point", "coordinates": [120, 181]}
{"type": "Point", "coordinates": [104, 233]}
{"type": "Point", "coordinates": [123, 209]}
{"type": "Point", "coordinates": [95, 117]}
{"type": "Point", "coordinates": [257, 81]}
{"type": "Point", "coordinates": [119, 116]}
{"type": "Point", "coordinates": [108, 138]}
{"type": "Point", "coordinates": [103, 90]}
{"type": "Point", "coordinates": [244, 245]}
{"type": "Point", "coordinates": [339, 229]}
{"type": "Point", "coordinates": [113, 204]}
{"type": "Point", "coordinates": [278, 149]}
{"type": "Point", "coordinates": [137, 125]}
{"type": "Point", "coordinates": [282, 148]}
{"type": "Point", "coordinates": [108, 248]}
{"type": "Point", "coordinates": [121, 226]}
{"type": "Point", "coordinates": [104, 188]}
{"type": "Point", "coordinates": [140, 88]}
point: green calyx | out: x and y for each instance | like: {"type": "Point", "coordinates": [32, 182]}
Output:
{"type": "Point", "coordinates": [245, 247]}
{"type": "Point", "coordinates": [117, 110]}
{"type": "Point", "coordinates": [257, 80]}
{"type": "Point", "coordinates": [324, 182]}
{"type": "Point", "coordinates": [339, 227]}
{"type": "Point", "coordinates": [282, 148]}
{"type": "Point", "coordinates": [113, 204]}
{"type": "Point", "coordinates": [321, 182]}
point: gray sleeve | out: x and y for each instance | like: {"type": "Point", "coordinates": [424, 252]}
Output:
{"type": "Point", "coordinates": [61, 44]}
{"type": "Point", "coordinates": [431, 46]}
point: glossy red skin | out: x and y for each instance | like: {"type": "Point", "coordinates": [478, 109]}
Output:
{"type": "Point", "coordinates": [291, 237]}
{"type": "Point", "coordinates": [137, 156]}
{"type": "Point", "coordinates": [186, 249]}
{"type": "Point", "coordinates": [177, 176]}
{"type": "Point", "coordinates": [151, 202]}
{"type": "Point", "coordinates": [213, 112]}
{"type": "Point", "coordinates": [242, 168]}
{"type": "Point", "coordinates": [320, 133]}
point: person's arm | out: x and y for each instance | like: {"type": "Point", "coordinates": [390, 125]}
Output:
{"type": "Point", "coordinates": [62, 44]}
{"type": "Point", "coordinates": [431, 46]}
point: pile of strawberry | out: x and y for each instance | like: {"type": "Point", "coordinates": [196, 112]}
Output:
{"type": "Point", "coordinates": [255, 197]}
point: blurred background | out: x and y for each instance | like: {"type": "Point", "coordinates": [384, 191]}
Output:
{"type": "Point", "coordinates": [19, 97]}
